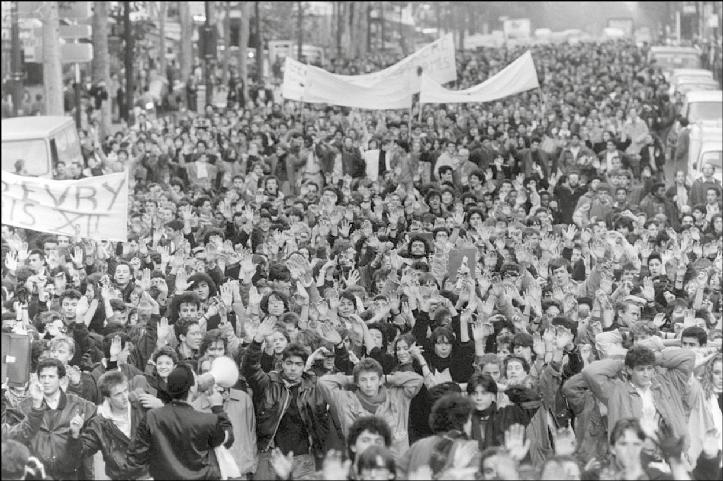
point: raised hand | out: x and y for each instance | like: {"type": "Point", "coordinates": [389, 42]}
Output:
{"type": "Point", "coordinates": [226, 292]}
{"type": "Point", "coordinates": [333, 467]}
{"type": "Point", "coordinates": [145, 282]}
{"type": "Point", "coordinates": [73, 374]}
{"type": "Point", "coordinates": [11, 261]}
{"type": "Point", "coordinates": [648, 290]}
{"type": "Point", "coordinates": [265, 329]}
{"type": "Point", "coordinates": [352, 278]}
{"type": "Point", "coordinates": [116, 347]}
{"type": "Point", "coordinates": [328, 333]}
{"type": "Point", "coordinates": [163, 330]}
{"type": "Point", "coordinates": [165, 252]}
{"type": "Point", "coordinates": [282, 463]}
{"type": "Point", "coordinates": [302, 294]}
{"type": "Point", "coordinates": [488, 306]}
{"type": "Point", "coordinates": [76, 423]}
{"type": "Point", "coordinates": [182, 281]}
{"type": "Point", "coordinates": [345, 228]}
{"type": "Point", "coordinates": [77, 257]}
{"type": "Point", "coordinates": [515, 442]}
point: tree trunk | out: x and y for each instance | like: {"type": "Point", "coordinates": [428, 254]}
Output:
{"type": "Point", "coordinates": [101, 62]}
{"type": "Point", "coordinates": [243, 50]}
{"type": "Point", "coordinates": [163, 8]}
{"type": "Point", "coordinates": [52, 67]}
{"type": "Point", "coordinates": [340, 16]}
{"type": "Point", "coordinates": [259, 46]}
{"type": "Point", "coordinates": [210, 63]}
{"type": "Point", "coordinates": [299, 31]}
{"type": "Point", "coordinates": [130, 87]}
{"type": "Point", "coordinates": [362, 16]}
{"type": "Point", "coordinates": [226, 41]}
{"type": "Point", "coordinates": [186, 60]}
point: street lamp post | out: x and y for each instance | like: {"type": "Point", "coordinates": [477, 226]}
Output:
{"type": "Point", "coordinates": [208, 60]}
{"type": "Point", "coordinates": [128, 33]}
{"type": "Point", "coordinates": [16, 61]}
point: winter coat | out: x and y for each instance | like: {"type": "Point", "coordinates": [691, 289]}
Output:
{"type": "Point", "coordinates": [177, 442]}
{"type": "Point", "coordinates": [669, 389]}
{"type": "Point", "coordinates": [400, 388]}
{"type": "Point", "coordinates": [47, 433]}
{"type": "Point", "coordinates": [271, 400]}
{"type": "Point", "coordinates": [101, 434]}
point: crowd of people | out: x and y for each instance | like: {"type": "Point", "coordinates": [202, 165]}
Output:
{"type": "Point", "coordinates": [525, 289]}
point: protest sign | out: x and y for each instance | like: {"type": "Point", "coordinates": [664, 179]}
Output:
{"type": "Point", "coordinates": [456, 257]}
{"type": "Point", "coordinates": [517, 77]}
{"type": "Point", "coordinates": [97, 207]}
{"type": "Point", "coordinates": [371, 158]}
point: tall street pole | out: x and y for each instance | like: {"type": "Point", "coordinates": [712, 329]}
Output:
{"type": "Point", "coordinates": [210, 53]}
{"type": "Point", "coordinates": [16, 61]}
{"type": "Point", "coordinates": [299, 27]}
{"type": "Point", "coordinates": [130, 88]}
{"type": "Point", "coordinates": [259, 45]}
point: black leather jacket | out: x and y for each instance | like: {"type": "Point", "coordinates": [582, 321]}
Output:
{"type": "Point", "coordinates": [271, 399]}
{"type": "Point", "coordinates": [47, 433]}
{"type": "Point", "coordinates": [101, 434]}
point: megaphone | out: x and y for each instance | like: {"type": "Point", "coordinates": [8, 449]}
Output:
{"type": "Point", "coordinates": [223, 372]}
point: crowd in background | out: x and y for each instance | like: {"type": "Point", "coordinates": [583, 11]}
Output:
{"type": "Point", "coordinates": [528, 289]}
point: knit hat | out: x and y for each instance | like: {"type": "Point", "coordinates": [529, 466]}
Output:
{"type": "Point", "coordinates": [180, 381]}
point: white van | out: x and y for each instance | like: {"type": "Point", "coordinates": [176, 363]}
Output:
{"type": "Point", "coordinates": [40, 142]}
{"type": "Point", "coordinates": [703, 106]}
{"type": "Point", "coordinates": [704, 147]}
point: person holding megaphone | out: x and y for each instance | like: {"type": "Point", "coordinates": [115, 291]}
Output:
{"type": "Point", "coordinates": [176, 441]}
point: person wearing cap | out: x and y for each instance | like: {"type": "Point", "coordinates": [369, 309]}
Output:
{"type": "Point", "coordinates": [176, 441]}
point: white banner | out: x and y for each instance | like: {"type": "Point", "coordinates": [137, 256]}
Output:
{"type": "Point", "coordinates": [517, 77]}
{"type": "Point", "coordinates": [307, 83]}
{"type": "Point", "coordinates": [436, 59]}
{"type": "Point", "coordinates": [391, 88]}
{"type": "Point", "coordinates": [97, 207]}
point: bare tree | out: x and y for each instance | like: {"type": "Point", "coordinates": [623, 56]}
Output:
{"type": "Point", "coordinates": [186, 62]}
{"type": "Point", "coordinates": [226, 25]}
{"type": "Point", "coordinates": [101, 62]}
{"type": "Point", "coordinates": [243, 49]}
{"type": "Point", "coordinates": [52, 68]}
{"type": "Point", "coordinates": [162, 12]}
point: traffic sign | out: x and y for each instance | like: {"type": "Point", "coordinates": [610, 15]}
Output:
{"type": "Point", "coordinates": [76, 52]}
{"type": "Point", "coordinates": [75, 32]}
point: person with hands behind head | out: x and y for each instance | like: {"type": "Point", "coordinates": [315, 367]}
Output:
{"type": "Point", "coordinates": [389, 402]}
{"type": "Point", "coordinates": [50, 416]}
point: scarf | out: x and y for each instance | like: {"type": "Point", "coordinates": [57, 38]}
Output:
{"type": "Point", "coordinates": [371, 403]}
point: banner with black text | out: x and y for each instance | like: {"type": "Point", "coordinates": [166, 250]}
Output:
{"type": "Point", "coordinates": [93, 208]}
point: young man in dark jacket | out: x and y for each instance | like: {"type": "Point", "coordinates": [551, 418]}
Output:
{"type": "Point", "coordinates": [111, 431]}
{"type": "Point", "coordinates": [291, 413]}
{"type": "Point", "coordinates": [176, 441]}
{"type": "Point", "coordinates": [50, 415]}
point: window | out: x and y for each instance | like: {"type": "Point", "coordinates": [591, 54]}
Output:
{"type": "Point", "coordinates": [698, 111]}
{"type": "Point", "coordinates": [32, 151]}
